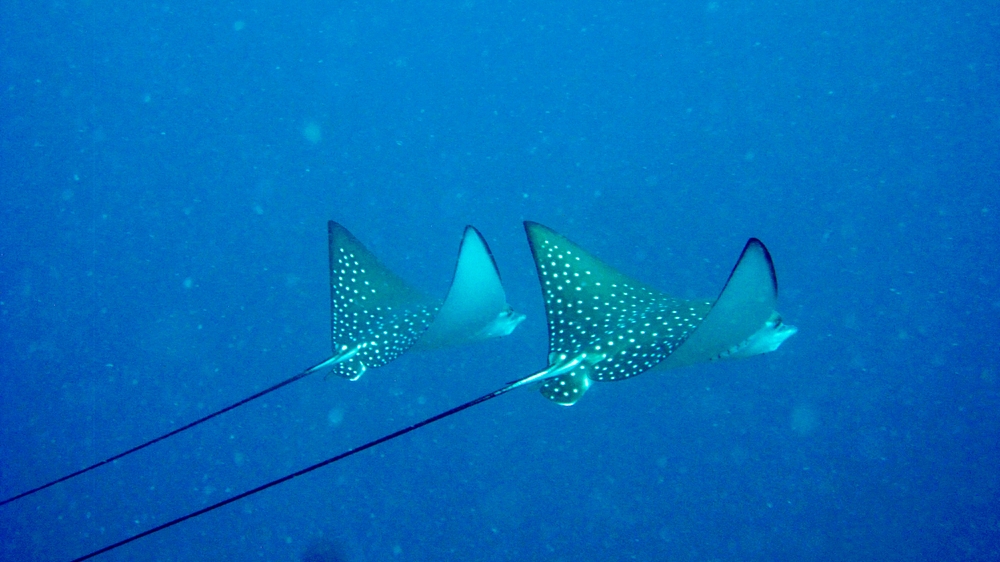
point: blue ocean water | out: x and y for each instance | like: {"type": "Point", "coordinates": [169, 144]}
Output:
{"type": "Point", "coordinates": [167, 171]}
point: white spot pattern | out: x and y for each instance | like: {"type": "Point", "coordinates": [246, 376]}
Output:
{"type": "Point", "coordinates": [372, 309]}
{"type": "Point", "coordinates": [623, 326]}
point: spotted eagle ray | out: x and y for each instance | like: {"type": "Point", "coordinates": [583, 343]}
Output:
{"type": "Point", "coordinates": [603, 326]}
{"type": "Point", "coordinates": [376, 317]}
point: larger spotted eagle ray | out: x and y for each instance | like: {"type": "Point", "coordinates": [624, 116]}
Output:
{"type": "Point", "coordinates": [376, 317]}
{"type": "Point", "coordinates": [604, 326]}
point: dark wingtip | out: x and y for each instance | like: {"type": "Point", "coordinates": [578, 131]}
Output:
{"type": "Point", "coordinates": [532, 228]}
{"type": "Point", "coordinates": [335, 229]}
{"type": "Point", "coordinates": [486, 245]}
{"type": "Point", "coordinates": [756, 243]}
{"type": "Point", "coordinates": [336, 233]}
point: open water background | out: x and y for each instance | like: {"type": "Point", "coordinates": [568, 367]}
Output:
{"type": "Point", "coordinates": [167, 170]}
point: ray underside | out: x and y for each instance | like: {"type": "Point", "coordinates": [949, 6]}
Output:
{"type": "Point", "coordinates": [475, 301]}
{"type": "Point", "coordinates": [744, 306]}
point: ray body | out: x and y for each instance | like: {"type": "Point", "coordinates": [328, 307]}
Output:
{"type": "Point", "coordinates": [605, 326]}
{"type": "Point", "coordinates": [376, 316]}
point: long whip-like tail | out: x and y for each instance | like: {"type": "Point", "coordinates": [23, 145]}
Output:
{"type": "Point", "coordinates": [169, 434]}
{"type": "Point", "coordinates": [308, 469]}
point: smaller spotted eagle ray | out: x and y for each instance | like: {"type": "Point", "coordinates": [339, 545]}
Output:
{"type": "Point", "coordinates": [376, 317]}
{"type": "Point", "coordinates": [603, 326]}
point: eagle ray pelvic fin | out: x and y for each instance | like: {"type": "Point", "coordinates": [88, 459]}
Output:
{"type": "Point", "coordinates": [568, 388]}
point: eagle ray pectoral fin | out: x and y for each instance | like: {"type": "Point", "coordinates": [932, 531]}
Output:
{"type": "Point", "coordinates": [742, 310]}
{"type": "Point", "coordinates": [476, 305]}
{"type": "Point", "coordinates": [370, 304]}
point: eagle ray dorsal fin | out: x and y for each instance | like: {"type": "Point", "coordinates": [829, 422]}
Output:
{"type": "Point", "coordinates": [476, 306]}
{"type": "Point", "coordinates": [375, 315]}
{"type": "Point", "coordinates": [614, 326]}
